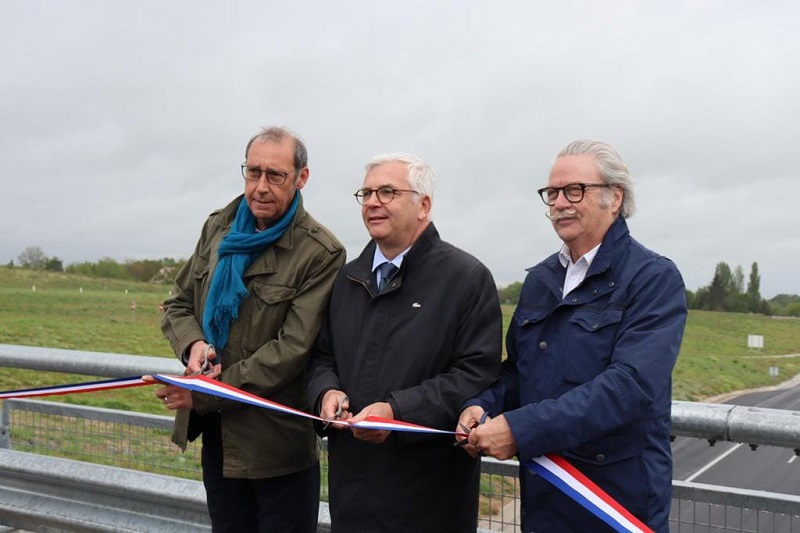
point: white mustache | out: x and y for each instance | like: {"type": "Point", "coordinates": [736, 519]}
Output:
{"type": "Point", "coordinates": [561, 215]}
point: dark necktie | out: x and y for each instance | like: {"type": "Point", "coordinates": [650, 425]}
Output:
{"type": "Point", "coordinates": [387, 270]}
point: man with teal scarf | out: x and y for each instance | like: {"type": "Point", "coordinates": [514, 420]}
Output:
{"type": "Point", "coordinates": [251, 299]}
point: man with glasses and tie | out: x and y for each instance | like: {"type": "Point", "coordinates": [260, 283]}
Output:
{"type": "Point", "coordinates": [251, 299]}
{"type": "Point", "coordinates": [413, 330]}
{"type": "Point", "coordinates": [591, 349]}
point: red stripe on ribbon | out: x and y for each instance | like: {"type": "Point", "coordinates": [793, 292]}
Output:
{"type": "Point", "coordinates": [592, 486]}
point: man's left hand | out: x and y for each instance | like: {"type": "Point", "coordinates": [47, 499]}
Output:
{"type": "Point", "coordinates": [377, 436]}
{"type": "Point", "coordinates": [175, 397]}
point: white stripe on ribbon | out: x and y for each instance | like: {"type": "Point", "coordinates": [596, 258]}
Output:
{"type": "Point", "coordinates": [91, 386]}
{"type": "Point", "coordinates": [552, 467]}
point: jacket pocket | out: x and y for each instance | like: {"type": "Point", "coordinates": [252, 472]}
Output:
{"type": "Point", "coordinates": [592, 333]}
{"type": "Point", "coordinates": [264, 313]}
{"type": "Point", "coordinates": [525, 317]}
{"type": "Point", "coordinates": [271, 294]}
{"type": "Point", "coordinates": [611, 448]}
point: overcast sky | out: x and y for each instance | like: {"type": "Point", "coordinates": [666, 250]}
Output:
{"type": "Point", "coordinates": [123, 124]}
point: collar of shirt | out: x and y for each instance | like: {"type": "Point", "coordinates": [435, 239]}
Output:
{"type": "Point", "coordinates": [379, 259]}
{"type": "Point", "coordinates": [576, 272]}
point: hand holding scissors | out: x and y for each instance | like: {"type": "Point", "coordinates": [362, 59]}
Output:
{"type": "Point", "coordinates": [334, 406]}
{"type": "Point", "coordinates": [485, 435]}
{"type": "Point", "coordinates": [201, 357]}
{"type": "Point", "coordinates": [468, 430]}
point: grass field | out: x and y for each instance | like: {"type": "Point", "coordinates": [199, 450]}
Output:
{"type": "Point", "coordinates": [76, 313]}
{"type": "Point", "coordinates": [87, 314]}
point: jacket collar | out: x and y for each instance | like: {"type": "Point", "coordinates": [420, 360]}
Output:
{"type": "Point", "coordinates": [608, 250]}
{"type": "Point", "coordinates": [361, 268]}
{"type": "Point", "coordinates": [551, 271]}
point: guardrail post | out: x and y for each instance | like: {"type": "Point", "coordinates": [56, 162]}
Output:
{"type": "Point", "coordinates": [5, 428]}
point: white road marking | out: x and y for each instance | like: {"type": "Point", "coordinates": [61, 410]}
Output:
{"type": "Point", "coordinates": [712, 463]}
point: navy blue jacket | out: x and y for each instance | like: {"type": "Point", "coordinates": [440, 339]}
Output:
{"type": "Point", "coordinates": [589, 376]}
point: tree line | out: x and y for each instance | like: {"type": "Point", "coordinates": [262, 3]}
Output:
{"type": "Point", "coordinates": [726, 292]}
{"type": "Point", "coordinates": [147, 270]}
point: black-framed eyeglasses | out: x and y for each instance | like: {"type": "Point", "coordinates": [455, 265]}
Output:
{"type": "Point", "coordinates": [385, 194]}
{"type": "Point", "coordinates": [274, 177]}
{"type": "Point", "coordinates": [573, 192]}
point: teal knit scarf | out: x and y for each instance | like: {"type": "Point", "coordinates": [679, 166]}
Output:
{"type": "Point", "coordinates": [238, 249]}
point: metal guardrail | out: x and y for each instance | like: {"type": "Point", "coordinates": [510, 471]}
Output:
{"type": "Point", "coordinates": [47, 493]}
{"type": "Point", "coordinates": [737, 423]}
{"type": "Point", "coordinates": [102, 364]}
{"type": "Point", "coordinates": [752, 425]}
{"type": "Point", "coordinates": [712, 422]}
{"type": "Point", "coordinates": [64, 494]}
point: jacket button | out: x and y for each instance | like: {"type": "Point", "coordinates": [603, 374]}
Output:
{"type": "Point", "coordinates": [543, 345]}
{"type": "Point", "coordinates": [594, 291]}
{"type": "Point", "coordinates": [600, 458]}
{"type": "Point", "coordinates": [574, 300]}
{"type": "Point", "coordinates": [314, 229]}
{"type": "Point", "coordinates": [610, 283]}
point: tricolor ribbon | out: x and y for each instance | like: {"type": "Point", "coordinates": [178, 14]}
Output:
{"type": "Point", "coordinates": [583, 490]}
{"type": "Point", "coordinates": [204, 384]}
{"type": "Point", "coordinates": [551, 467]}
{"type": "Point", "coordinates": [91, 386]}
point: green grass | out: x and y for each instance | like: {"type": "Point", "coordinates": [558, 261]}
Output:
{"type": "Point", "coordinates": [78, 313]}
{"type": "Point", "coordinates": [714, 358]}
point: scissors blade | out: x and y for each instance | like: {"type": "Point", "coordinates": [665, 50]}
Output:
{"type": "Point", "coordinates": [462, 442]}
{"type": "Point", "coordinates": [340, 409]}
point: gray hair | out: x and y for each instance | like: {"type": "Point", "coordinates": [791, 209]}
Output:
{"type": "Point", "coordinates": [421, 177]}
{"type": "Point", "coordinates": [611, 167]}
{"type": "Point", "coordinates": [277, 134]}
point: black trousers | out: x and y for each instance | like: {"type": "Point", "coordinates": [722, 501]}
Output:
{"type": "Point", "coordinates": [284, 504]}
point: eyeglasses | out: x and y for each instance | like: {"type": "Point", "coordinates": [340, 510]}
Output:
{"type": "Point", "coordinates": [385, 194]}
{"type": "Point", "coordinates": [274, 177]}
{"type": "Point", "coordinates": [573, 192]}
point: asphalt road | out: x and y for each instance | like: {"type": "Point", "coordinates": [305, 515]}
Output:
{"type": "Point", "coordinates": [737, 465]}
{"type": "Point", "coordinates": [730, 464]}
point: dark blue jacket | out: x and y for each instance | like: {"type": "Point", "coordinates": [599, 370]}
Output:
{"type": "Point", "coordinates": [589, 376]}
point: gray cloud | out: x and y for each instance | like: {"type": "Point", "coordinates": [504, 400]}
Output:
{"type": "Point", "coordinates": [122, 125]}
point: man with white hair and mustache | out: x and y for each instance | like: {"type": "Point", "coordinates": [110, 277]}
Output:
{"type": "Point", "coordinates": [591, 349]}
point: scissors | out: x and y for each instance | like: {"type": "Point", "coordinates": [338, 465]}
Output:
{"type": "Point", "coordinates": [205, 368]}
{"type": "Point", "coordinates": [465, 429]}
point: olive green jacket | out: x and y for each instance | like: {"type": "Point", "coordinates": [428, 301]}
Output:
{"type": "Point", "coordinates": [268, 346]}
